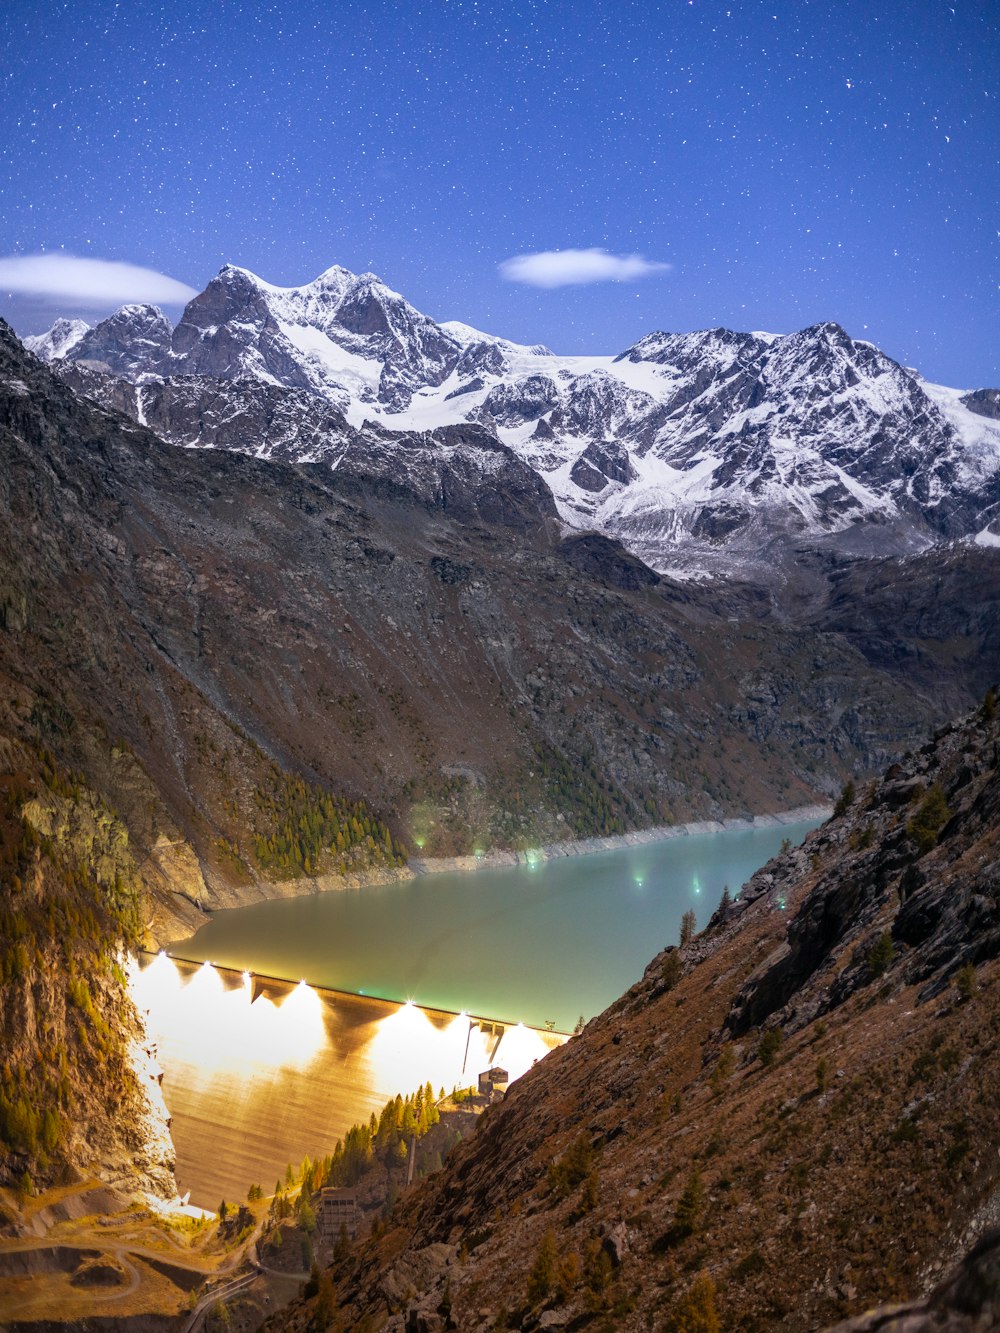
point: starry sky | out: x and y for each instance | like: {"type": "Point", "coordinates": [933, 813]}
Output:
{"type": "Point", "coordinates": [778, 162]}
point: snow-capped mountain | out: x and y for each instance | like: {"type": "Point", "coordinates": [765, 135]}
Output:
{"type": "Point", "coordinates": [345, 337]}
{"type": "Point", "coordinates": [691, 448]}
{"type": "Point", "coordinates": [59, 340]}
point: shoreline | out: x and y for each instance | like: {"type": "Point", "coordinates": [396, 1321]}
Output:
{"type": "Point", "coordinates": [494, 860]}
{"type": "Point", "coordinates": [161, 932]}
{"type": "Point", "coordinates": [302, 887]}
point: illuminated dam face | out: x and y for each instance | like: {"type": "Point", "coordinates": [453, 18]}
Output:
{"type": "Point", "coordinates": [221, 1029]}
{"type": "Point", "coordinates": [260, 1074]}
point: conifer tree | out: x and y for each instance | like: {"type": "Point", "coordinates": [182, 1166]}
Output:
{"type": "Point", "coordinates": [690, 1205]}
{"type": "Point", "coordinates": [696, 1312]}
{"type": "Point", "coordinates": [688, 924]}
{"type": "Point", "coordinates": [543, 1270]}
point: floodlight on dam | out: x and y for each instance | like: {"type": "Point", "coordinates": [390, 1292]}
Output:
{"type": "Point", "coordinates": [407, 1050]}
{"type": "Point", "coordinates": [211, 1028]}
{"type": "Point", "coordinates": [519, 1048]}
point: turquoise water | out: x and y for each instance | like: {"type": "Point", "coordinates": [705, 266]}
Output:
{"type": "Point", "coordinates": [539, 944]}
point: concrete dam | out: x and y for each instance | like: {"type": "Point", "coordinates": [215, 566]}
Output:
{"type": "Point", "coordinates": [259, 1072]}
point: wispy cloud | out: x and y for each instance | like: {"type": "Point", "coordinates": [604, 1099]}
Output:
{"type": "Point", "coordinates": [94, 281]}
{"type": "Point", "coordinates": [564, 268]}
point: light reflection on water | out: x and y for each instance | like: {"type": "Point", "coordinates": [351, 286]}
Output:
{"type": "Point", "coordinates": [536, 943]}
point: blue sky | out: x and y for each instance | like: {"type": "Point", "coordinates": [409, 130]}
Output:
{"type": "Point", "coordinates": [789, 162]}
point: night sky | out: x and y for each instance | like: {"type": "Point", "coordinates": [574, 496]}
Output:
{"type": "Point", "coordinates": [789, 161]}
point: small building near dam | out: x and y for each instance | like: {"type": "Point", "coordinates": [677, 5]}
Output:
{"type": "Point", "coordinates": [493, 1083]}
{"type": "Point", "coordinates": [337, 1208]}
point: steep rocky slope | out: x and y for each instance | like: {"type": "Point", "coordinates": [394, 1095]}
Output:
{"type": "Point", "coordinates": [701, 451]}
{"type": "Point", "coordinates": [78, 1090]}
{"type": "Point", "coordinates": [792, 1117]}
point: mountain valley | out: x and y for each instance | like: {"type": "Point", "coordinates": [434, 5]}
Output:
{"type": "Point", "coordinates": [311, 586]}
{"type": "Point", "coordinates": [761, 1131]}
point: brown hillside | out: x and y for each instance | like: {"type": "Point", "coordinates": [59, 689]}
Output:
{"type": "Point", "coordinates": [803, 1103]}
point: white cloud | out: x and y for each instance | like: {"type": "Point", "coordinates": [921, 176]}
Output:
{"type": "Point", "coordinates": [563, 268]}
{"type": "Point", "coordinates": [97, 281]}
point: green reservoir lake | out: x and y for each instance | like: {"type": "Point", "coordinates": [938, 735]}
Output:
{"type": "Point", "coordinates": [257, 1074]}
{"type": "Point", "coordinates": [541, 944]}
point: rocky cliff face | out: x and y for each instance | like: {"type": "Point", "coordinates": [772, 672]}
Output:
{"type": "Point", "coordinates": [133, 341]}
{"type": "Point", "coordinates": [78, 1089]}
{"type": "Point", "coordinates": [791, 1118]}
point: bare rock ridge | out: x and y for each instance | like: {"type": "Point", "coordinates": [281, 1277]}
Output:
{"type": "Point", "coordinates": [788, 1120]}
{"type": "Point", "coordinates": [705, 451]}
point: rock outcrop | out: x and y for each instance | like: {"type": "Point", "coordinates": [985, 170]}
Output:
{"type": "Point", "coordinates": [967, 1301]}
{"type": "Point", "coordinates": [79, 1091]}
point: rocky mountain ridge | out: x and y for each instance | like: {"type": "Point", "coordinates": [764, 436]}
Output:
{"type": "Point", "coordinates": [788, 1119]}
{"type": "Point", "coordinates": [702, 452]}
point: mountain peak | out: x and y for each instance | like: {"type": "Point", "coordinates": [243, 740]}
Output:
{"type": "Point", "coordinates": [58, 340]}
{"type": "Point", "coordinates": [231, 275]}
{"type": "Point", "coordinates": [832, 333]}
{"type": "Point", "coordinates": [685, 446]}
{"type": "Point", "coordinates": [137, 310]}
{"type": "Point", "coordinates": [334, 276]}
{"type": "Point", "coordinates": [134, 340]}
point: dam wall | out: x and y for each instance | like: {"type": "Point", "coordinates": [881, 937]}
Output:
{"type": "Point", "coordinates": [259, 1071]}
